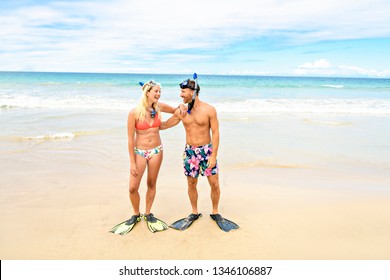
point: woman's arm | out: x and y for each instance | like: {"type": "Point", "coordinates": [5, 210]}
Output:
{"type": "Point", "coordinates": [165, 108]}
{"type": "Point", "coordinates": [130, 142]}
{"type": "Point", "coordinates": [172, 121]}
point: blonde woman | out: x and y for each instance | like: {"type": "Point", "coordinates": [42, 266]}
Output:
{"type": "Point", "coordinates": [146, 153]}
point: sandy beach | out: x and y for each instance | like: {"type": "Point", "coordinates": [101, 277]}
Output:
{"type": "Point", "coordinates": [302, 94]}
{"type": "Point", "coordinates": [64, 208]}
{"type": "Point", "coordinates": [304, 170]}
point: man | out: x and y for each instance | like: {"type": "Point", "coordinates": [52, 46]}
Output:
{"type": "Point", "coordinates": [202, 142]}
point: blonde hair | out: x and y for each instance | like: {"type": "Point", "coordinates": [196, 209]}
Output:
{"type": "Point", "coordinates": [142, 107]}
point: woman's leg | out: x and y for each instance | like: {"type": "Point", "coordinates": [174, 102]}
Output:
{"type": "Point", "coordinates": [154, 165]}
{"type": "Point", "coordinates": [135, 182]}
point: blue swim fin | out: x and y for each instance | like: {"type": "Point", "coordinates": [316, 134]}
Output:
{"type": "Point", "coordinates": [185, 223]}
{"type": "Point", "coordinates": [224, 224]}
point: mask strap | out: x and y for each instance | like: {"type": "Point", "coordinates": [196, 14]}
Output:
{"type": "Point", "coordinates": [191, 105]}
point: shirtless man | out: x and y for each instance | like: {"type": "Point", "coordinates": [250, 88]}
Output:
{"type": "Point", "coordinates": [200, 154]}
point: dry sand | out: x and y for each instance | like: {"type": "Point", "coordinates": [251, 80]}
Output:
{"type": "Point", "coordinates": [284, 214]}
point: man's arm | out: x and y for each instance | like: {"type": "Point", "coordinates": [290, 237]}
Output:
{"type": "Point", "coordinates": [172, 121]}
{"type": "Point", "coordinates": [214, 126]}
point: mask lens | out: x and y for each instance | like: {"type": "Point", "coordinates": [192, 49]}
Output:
{"type": "Point", "coordinates": [186, 84]}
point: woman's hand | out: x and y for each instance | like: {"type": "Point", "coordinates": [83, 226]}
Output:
{"type": "Point", "coordinates": [134, 169]}
{"type": "Point", "coordinates": [183, 110]}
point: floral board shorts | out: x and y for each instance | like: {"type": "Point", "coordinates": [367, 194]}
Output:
{"type": "Point", "coordinates": [195, 161]}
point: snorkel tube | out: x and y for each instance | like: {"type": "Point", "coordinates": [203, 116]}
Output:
{"type": "Point", "coordinates": [153, 112]}
{"type": "Point", "coordinates": [191, 105]}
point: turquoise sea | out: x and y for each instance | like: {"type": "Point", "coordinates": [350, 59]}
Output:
{"type": "Point", "coordinates": [76, 123]}
{"type": "Point", "coordinates": [77, 91]}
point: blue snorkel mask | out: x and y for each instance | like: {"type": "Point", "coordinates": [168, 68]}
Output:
{"type": "Point", "coordinates": [186, 84]}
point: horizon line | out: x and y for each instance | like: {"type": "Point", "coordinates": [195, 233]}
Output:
{"type": "Point", "coordinates": [206, 74]}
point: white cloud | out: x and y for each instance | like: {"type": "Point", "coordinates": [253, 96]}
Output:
{"type": "Point", "coordinates": [318, 64]}
{"type": "Point", "coordinates": [353, 70]}
{"type": "Point", "coordinates": [323, 67]}
{"type": "Point", "coordinates": [248, 73]}
{"type": "Point", "coordinates": [96, 35]}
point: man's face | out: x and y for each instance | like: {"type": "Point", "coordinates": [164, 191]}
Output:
{"type": "Point", "coordinates": [186, 94]}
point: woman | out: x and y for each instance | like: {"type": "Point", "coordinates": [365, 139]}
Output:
{"type": "Point", "coordinates": [146, 152]}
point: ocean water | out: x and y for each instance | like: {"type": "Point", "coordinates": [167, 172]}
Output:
{"type": "Point", "coordinates": [228, 93]}
{"type": "Point", "coordinates": [75, 123]}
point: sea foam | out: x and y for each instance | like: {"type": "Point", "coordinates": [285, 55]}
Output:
{"type": "Point", "coordinates": [50, 137]}
{"type": "Point", "coordinates": [326, 106]}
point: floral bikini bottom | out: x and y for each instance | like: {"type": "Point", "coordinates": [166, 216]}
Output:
{"type": "Point", "coordinates": [148, 154]}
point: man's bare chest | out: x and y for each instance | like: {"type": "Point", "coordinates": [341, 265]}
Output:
{"type": "Point", "coordinates": [196, 120]}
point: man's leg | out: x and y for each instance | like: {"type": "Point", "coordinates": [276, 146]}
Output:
{"type": "Point", "coordinates": [215, 191]}
{"type": "Point", "coordinates": [193, 193]}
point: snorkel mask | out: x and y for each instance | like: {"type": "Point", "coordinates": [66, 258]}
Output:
{"type": "Point", "coordinates": [186, 84]}
{"type": "Point", "coordinates": [150, 83]}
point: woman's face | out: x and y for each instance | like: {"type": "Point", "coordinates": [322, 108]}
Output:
{"type": "Point", "coordinates": [154, 94]}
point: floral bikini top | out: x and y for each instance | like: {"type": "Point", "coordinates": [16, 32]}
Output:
{"type": "Point", "coordinates": [145, 125]}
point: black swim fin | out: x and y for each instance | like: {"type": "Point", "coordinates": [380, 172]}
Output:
{"type": "Point", "coordinates": [185, 223]}
{"type": "Point", "coordinates": [224, 224]}
{"type": "Point", "coordinates": [126, 226]}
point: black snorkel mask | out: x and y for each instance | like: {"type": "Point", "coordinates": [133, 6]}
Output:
{"type": "Point", "coordinates": [186, 84]}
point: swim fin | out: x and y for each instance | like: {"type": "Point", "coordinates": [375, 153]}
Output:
{"type": "Point", "coordinates": [155, 224]}
{"type": "Point", "coordinates": [126, 226]}
{"type": "Point", "coordinates": [185, 223]}
{"type": "Point", "coordinates": [224, 224]}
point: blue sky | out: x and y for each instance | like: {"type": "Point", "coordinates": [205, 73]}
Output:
{"type": "Point", "coordinates": [245, 37]}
